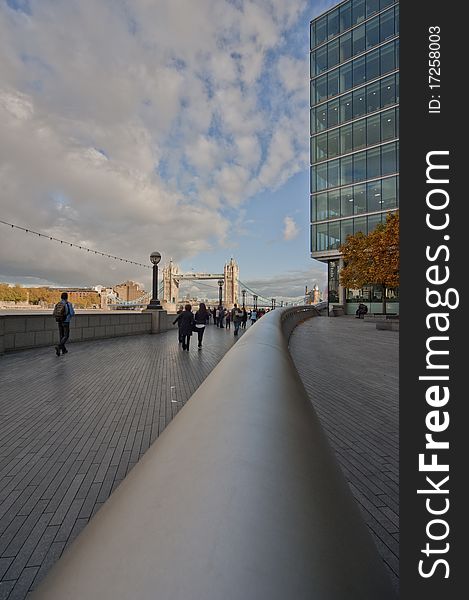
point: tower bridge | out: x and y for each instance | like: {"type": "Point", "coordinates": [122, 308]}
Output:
{"type": "Point", "coordinates": [172, 278]}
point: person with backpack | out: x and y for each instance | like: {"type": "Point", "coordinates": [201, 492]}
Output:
{"type": "Point", "coordinates": [237, 317]}
{"type": "Point", "coordinates": [63, 313]}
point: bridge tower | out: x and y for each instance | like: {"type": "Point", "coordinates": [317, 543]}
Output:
{"type": "Point", "coordinates": [171, 285]}
{"type": "Point", "coordinates": [172, 278]}
{"type": "Point", "coordinates": [231, 275]}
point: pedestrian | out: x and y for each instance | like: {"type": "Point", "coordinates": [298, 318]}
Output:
{"type": "Point", "coordinates": [361, 310]}
{"type": "Point", "coordinates": [221, 318]}
{"type": "Point", "coordinates": [245, 318]}
{"type": "Point", "coordinates": [63, 313]}
{"type": "Point", "coordinates": [216, 317]}
{"type": "Point", "coordinates": [253, 316]}
{"type": "Point", "coordinates": [178, 321]}
{"type": "Point", "coordinates": [237, 315]}
{"type": "Point", "coordinates": [185, 322]}
{"type": "Point", "coordinates": [228, 320]}
{"type": "Point", "coordinates": [201, 319]}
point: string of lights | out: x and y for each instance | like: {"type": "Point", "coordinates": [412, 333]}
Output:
{"type": "Point", "coordinates": [106, 255]}
{"type": "Point", "coordinates": [71, 244]}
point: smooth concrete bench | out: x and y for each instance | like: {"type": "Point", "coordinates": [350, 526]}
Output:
{"type": "Point", "coordinates": [336, 311]}
{"type": "Point", "coordinates": [380, 317]}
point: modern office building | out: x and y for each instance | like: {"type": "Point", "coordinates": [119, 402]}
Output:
{"type": "Point", "coordinates": [354, 131]}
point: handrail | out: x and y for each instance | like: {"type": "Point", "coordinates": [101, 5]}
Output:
{"type": "Point", "coordinates": [239, 498]}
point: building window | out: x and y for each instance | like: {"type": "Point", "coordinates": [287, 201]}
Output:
{"type": "Point", "coordinates": [359, 199]}
{"type": "Point", "coordinates": [333, 204]}
{"type": "Point", "coordinates": [358, 11]}
{"type": "Point", "coordinates": [354, 120]}
{"type": "Point", "coordinates": [346, 202]}
{"type": "Point", "coordinates": [373, 196]}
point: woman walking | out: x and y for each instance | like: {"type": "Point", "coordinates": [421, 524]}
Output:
{"type": "Point", "coordinates": [185, 322]}
{"type": "Point", "coordinates": [201, 320]}
{"type": "Point", "coordinates": [245, 318]}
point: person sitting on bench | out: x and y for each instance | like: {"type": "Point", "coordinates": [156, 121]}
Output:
{"type": "Point", "coordinates": [361, 310]}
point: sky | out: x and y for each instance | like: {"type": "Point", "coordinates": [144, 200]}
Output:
{"type": "Point", "coordinates": [182, 126]}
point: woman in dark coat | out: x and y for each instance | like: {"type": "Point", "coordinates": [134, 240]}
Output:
{"type": "Point", "coordinates": [201, 320]}
{"type": "Point", "coordinates": [185, 322]}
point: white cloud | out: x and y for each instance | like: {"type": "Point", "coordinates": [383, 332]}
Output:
{"type": "Point", "coordinates": [291, 284]}
{"type": "Point", "coordinates": [145, 122]}
{"type": "Point", "coordinates": [290, 229]}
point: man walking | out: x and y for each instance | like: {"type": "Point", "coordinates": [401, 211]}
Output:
{"type": "Point", "coordinates": [237, 316]}
{"type": "Point", "coordinates": [63, 313]}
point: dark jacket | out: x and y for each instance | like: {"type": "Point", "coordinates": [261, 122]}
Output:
{"type": "Point", "coordinates": [185, 322]}
{"type": "Point", "coordinates": [201, 317]}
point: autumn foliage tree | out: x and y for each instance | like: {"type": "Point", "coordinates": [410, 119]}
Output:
{"type": "Point", "coordinates": [373, 258]}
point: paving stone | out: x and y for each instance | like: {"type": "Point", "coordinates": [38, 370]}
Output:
{"type": "Point", "coordinates": [43, 545]}
{"type": "Point", "coordinates": [350, 372]}
{"type": "Point", "coordinates": [23, 555]}
{"type": "Point", "coordinates": [5, 565]}
{"type": "Point", "coordinates": [23, 584]}
{"type": "Point", "coordinates": [72, 427]}
{"type": "Point", "coordinates": [5, 589]}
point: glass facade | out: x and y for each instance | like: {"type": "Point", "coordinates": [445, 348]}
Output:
{"type": "Point", "coordinates": [354, 122]}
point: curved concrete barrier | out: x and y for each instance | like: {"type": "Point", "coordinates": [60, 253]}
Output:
{"type": "Point", "coordinates": [240, 498]}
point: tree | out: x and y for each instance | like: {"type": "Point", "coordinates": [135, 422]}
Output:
{"type": "Point", "coordinates": [373, 258]}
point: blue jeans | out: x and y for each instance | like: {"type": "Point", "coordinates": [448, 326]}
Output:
{"type": "Point", "coordinates": [236, 326]}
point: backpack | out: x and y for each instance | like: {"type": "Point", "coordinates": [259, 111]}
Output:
{"type": "Point", "coordinates": [59, 312]}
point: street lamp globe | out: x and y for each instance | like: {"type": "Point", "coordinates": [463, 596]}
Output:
{"type": "Point", "coordinates": [155, 257]}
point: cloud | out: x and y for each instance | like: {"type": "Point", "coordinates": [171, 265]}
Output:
{"type": "Point", "coordinates": [290, 285]}
{"type": "Point", "coordinates": [290, 230]}
{"type": "Point", "coordinates": [146, 125]}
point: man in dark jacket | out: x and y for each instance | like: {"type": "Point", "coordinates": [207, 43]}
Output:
{"type": "Point", "coordinates": [185, 322]}
{"type": "Point", "coordinates": [64, 324]}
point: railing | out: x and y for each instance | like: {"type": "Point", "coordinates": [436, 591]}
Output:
{"type": "Point", "coordinates": [240, 498]}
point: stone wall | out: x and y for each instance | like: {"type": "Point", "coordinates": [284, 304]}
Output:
{"type": "Point", "coordinates": [18, 332]}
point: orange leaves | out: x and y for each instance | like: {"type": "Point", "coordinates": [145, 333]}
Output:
{"type": "Point", "coordinates": [374, 258]}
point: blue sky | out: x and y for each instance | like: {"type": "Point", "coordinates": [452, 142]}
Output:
{"type": "Point", "coordinates": [173, 125]}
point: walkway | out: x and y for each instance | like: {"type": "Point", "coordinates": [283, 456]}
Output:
{"type": "Point", "coordinates": [72, 427]}
{"type": "Point", "coordinates": [350, 371]}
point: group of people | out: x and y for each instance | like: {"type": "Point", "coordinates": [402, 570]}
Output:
{"type": "Point", "coordinates": [222, 317]}
{"type": "Point", "coordinates": [189, 323]}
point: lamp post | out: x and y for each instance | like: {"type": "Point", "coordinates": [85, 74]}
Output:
{"type": "Point", "coordinates": [155, 258]}
{"type": "Point", "coordinates": [254, 298]}
{"type": "Point", "coordinates": [220, 292]}
{"type": "Point", "coordinates": [244, 296]}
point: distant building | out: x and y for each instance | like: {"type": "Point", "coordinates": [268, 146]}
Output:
{"type": "Point", "coordinates": [85, 296]}
{"type": "Point", "coordinates": [354, 130]}
{"type": "Point", "coordinates": [108, 296]}
{"type": "Point", "coordinates": [128, 291]}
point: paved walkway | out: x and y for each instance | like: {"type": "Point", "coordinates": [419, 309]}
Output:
{"type": "Point", "coordinates": [350, 371]}
{"type": "Point", "coordinates": [72, 427]}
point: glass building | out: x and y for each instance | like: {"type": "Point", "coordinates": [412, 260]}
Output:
{"type": "Point", "coordinates": [354, 130]}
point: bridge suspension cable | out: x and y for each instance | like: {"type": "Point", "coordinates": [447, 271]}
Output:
{"type": "Point", "coordinates": [73, 245]}
{"type": "Point", "coordinates": [253, 292]}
